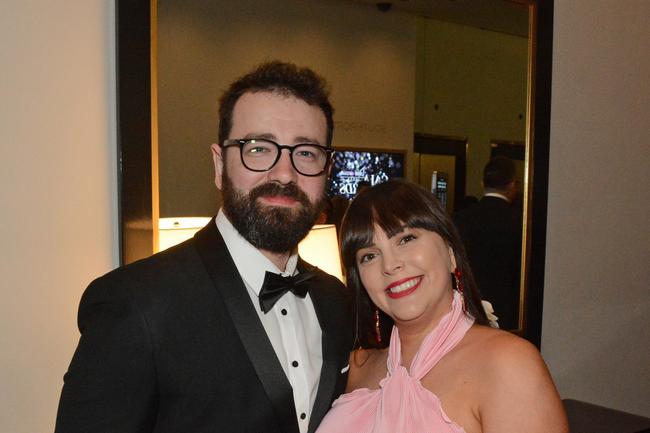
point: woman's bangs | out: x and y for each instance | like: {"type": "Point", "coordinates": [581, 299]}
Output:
{"type": "Point", "coordinates": [402, 209]}
{"type": "Point", "coordinates": [388, 218]}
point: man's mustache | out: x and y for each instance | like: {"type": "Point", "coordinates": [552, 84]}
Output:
{"type": "Point", "coordinates": [273, 189]}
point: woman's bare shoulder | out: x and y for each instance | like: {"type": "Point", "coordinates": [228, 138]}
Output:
{"type": "Point", "coordinates": [513, 375]}
{"type": "Point", "coordinates": [367, 368]}
{"type": "Point", "coordinates": [503, 349]}
{"type": "Point", "coordinates": [501, 353]}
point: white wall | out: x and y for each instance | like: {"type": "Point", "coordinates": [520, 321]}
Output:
{"type": "Point", "coordinates": [57, 192]}
{"type": "Point", "coordinates": [597, 297]}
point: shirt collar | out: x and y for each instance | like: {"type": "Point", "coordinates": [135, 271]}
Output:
{"type": "Point", "coordinates": [496, 194]}
{"type": "Point", "coordinates": [250, 262]}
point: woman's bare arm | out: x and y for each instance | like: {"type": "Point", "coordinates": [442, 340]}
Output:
{"type": "Point", "coordinates": [367, 368]}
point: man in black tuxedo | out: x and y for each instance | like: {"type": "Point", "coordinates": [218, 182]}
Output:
{"type": "Point", "coordinates": [491, 231]}
{"type": "Point", "coordinates": [229, 331]}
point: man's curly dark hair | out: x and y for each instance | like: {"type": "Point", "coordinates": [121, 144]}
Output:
{"type": "Point", "coordinates": [279, 77]}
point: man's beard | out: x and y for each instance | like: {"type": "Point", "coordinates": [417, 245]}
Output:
{"type": "Point", "coordinates": [271, 228]}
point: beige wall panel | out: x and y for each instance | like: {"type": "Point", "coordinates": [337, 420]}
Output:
{"type": "Point", "coordinates": [58, 222]}
{"type": "Point", "coordinates": [597, 296]}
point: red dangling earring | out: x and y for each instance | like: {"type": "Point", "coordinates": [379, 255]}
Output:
{"type": "Point", "coordinates": [458, 282]}
{"type": "Point", "coordinates": [377, 328]}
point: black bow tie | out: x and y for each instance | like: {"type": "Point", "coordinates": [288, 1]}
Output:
{"type": "Point", "coordinates": [275, 286]}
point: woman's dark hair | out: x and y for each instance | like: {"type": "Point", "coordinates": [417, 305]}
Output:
{"type": "Point", "coordinates": [394, 205]}
{"type": "Point", "coordinates": [282, 78]}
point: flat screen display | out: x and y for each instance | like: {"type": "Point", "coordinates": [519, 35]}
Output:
{"type": "Point", "coordinates": [439, 186]}
{"type": "Point", "coordinates": [351, 166]}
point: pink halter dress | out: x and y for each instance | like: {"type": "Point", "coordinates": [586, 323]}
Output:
{"type": "Point", "coordinates": [402, 404]}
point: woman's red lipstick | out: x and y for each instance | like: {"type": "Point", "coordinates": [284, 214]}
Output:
{"type": "Point", "coordinates": [411, 283]}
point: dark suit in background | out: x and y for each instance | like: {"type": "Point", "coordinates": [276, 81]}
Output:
{"type": "Point", "coordinates": [491, 232]}
{"type": "Point", "coordinates": [173, 344]}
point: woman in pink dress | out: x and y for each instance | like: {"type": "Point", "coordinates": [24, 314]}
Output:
{"type": "Point", "coordinates": [445, 369]}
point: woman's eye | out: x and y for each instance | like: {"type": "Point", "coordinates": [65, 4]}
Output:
{"type": "Point", "coordinates": [366, 257]}
{"type": "Point", "coordinates": [407, 238]}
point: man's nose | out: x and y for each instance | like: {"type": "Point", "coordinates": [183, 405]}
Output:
{"type": "Point", "coordinates": [283, 171]}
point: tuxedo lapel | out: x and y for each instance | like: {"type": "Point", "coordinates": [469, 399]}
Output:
{"type": "Point", "coordinates": [331, 316]}
{"type": "Point", "coordinates": [228, 282]}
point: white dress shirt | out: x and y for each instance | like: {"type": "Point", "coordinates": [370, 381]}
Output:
{"type": "Point", "coordinates": [291, 325]}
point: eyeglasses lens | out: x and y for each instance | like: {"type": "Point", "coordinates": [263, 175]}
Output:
{"type": "Point", "coordinates": [262, 155]}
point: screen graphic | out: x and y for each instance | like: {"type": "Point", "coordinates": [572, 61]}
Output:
{"type": "Point", "coordinates": [349, 167]}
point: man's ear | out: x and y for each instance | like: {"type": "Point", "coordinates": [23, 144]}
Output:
{"type": "Point", "coordinates": [218, 163]}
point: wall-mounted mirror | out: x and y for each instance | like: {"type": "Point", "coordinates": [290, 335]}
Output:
{"type": "Point", "coordinates": [387, 74]}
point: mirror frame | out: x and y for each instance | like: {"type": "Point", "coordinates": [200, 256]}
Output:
{"type": "Point", "coordinates": [137, 157]}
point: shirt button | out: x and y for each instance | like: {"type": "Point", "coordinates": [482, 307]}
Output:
{"type": "Point", "coordinates": [295, 363]}
{"type": "Point", "coordinates": [284, 312]}
{"type": "Point", "coordinates": [303, 415]}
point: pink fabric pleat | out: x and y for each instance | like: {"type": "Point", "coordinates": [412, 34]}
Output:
{"type": "Point", "coordinates": [402, 404]}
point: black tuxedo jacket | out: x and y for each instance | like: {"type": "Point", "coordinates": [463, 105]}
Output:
{"type": "Point", "coordinates": [172, 343]}
{"type": "Point", "coordinates": [491, 231]}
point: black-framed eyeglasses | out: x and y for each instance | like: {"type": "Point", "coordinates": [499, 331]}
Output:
{"type": "Point", "coordinates": [261, 154]}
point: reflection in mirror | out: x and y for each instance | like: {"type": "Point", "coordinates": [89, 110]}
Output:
{"type": "Point", "coordinates": [203, 46]}
{"type": "Point", "coordinates": [473, 83]}
{"type": "Point", "coordinates": [389, 81]}
{"type": "Point", "coordinates": [468, 81]}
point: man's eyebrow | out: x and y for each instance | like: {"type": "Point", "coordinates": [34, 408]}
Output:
{"type": "Point", "coordinates": [301, 139]}
{"type": "Point", "coordinates": [261, 135]}
{"type": "Point", "coordinates": [268, 136]}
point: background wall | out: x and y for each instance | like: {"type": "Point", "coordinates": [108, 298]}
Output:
{"type": "Point", "coordinates": [597, 297]}
{"type": "Point", "coordinates": [367, 56]}
{"type": "Point", "coordinates": [57, 192]}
